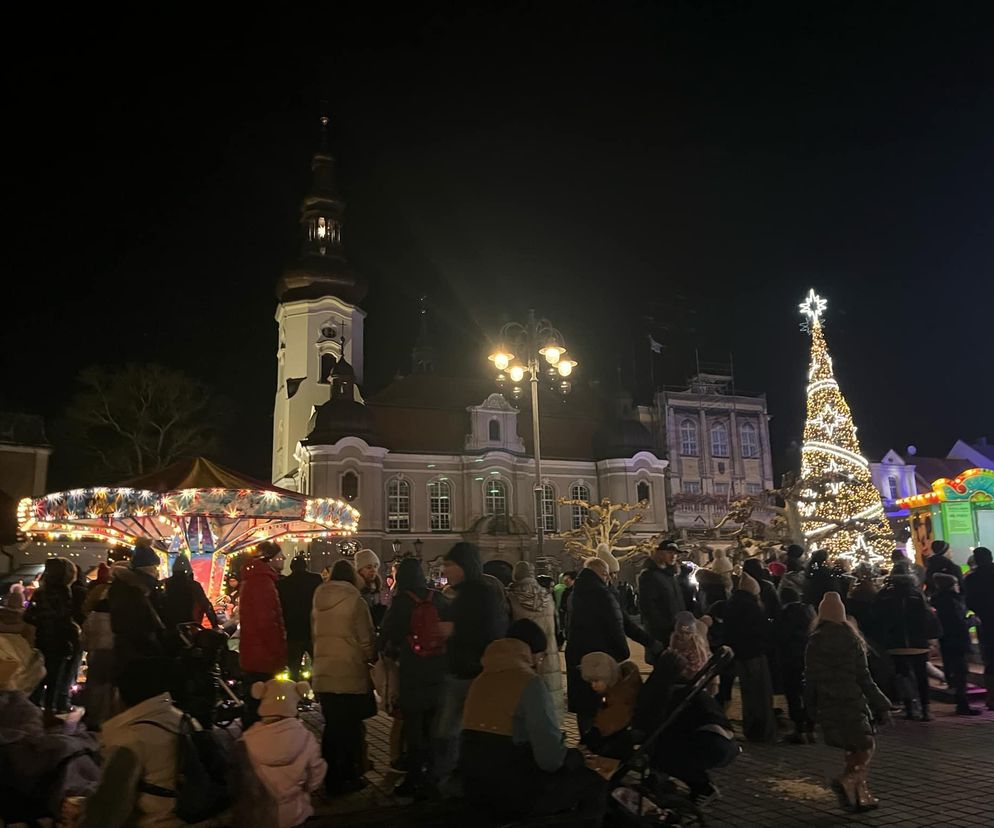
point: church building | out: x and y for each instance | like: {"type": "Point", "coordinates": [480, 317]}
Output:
{"type": "Point", "coordinates": [430, 459]}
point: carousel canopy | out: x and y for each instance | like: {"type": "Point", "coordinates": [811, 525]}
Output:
{"type": "Point", "coordinates": [192, 506]}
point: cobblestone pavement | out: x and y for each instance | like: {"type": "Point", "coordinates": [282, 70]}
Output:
{"type": "Point", "coordinates": [937, 773]}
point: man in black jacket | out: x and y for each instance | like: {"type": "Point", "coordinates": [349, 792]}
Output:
{"type": "Point", "coordinates": [296, 593]}
{"type": "Point", "coordinates": [475, 617]}
{"type": "Point", "coordinates": [978, 587]}
{"type": "Point", "coordinates": [939, 562]}
{"type": "Point", "coordinates": [660, 596]}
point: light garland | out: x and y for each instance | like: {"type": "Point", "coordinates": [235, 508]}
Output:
{"type": "Point", "coordinates": [843, 506]}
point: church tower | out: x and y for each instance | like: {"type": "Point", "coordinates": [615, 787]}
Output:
{"type": "Point", "coordinates": [318, 317]}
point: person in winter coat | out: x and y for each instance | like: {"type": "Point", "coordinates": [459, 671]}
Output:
{"type": "Point", "coordinates": [597, 624]}
{"type": "Point", "coordinates": [939, 561]}
{"type": "Point", "coordinates": [712, 589]}
{"type": "Point", "coordinates": [367, 566]}
{"type": "Point", "coordinates": [767, 591]}
{"type": "Point", "coordinates": [690, 641]}
{"type": "Point", "coordinates": [421, 666]}
{"type": "Point", "coordinates": [183, 599]}
{"type": "Point", "coordinates": [618, 686]}
{"type": "Point", "coordinates": [901, 565]}
{"type": "Point", "coordinates": [794, 578]}
{"type": "Point", "coordinates": [955, 641]}
{"type": "Point", "coordinates": [98, 642]}
{"type": "Point", "coordinates": [476, 616]}
{"type": "Point", "coordinates": [820, 578]}
{"type": "Point", "coordinates": [792, 631]}
{"type": "Point", "coordinates": [529, 600]}
{"type": "Point", "coordinates": [262, 641]}
{"type": "Point", "coordinates": [78, 590]}
{"type": "Point", "coordinates": [139, 748]}
{"type": "Point", "coordinates": [296, 593]}
{"type": "Point", "coordinates": [562, 592]}
{"type": "Point", "coordinates": [978, 588]}
{"type": "Point", "coordinates": [660, 595]}
{"type": "Point", "coordinates": [50, 612]}
{"type": "Point", "coordinates": [700, 739]}
{"type": "Point", "coordinates": [514, 760]}
{"type": "Point", "coordinates": [344, 646]}
{"type": "Point", "coordinates": [904, 626]}
{"type": "Point", "coordinates": [283, 752]}
{"type": "Point", "coordinates": [841, 696]}
{"type": "Point", "coordinates": [720, 565]}
{"type": "Point", "coordinates": [749, 633]}
{"type": "Point", "coordinates": [133, 599]}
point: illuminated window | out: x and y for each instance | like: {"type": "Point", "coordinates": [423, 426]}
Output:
{"type": "Point", "coordinates": [643, 492]}
{"type": "Point", "coordinates": [440, 506]}
{"type": "Point", "coordinates": [548, 509]}
{"type": "Point", "coordinates": [495, 497]}
{"type": "Point", "coordinates": [398, 505]}
{"type": "Point", "coordinates": [719, 440]}
{"type": "Point", "coordinates": [578, 491]}
{"type": "Point", "coordinates": [750, 445]}
{"type": "Point", "coordinates": [350, 486]}
{"type": "Point", "coordinates": [688, 438]}
{"type": "Point", "coordinates": [895, 491]}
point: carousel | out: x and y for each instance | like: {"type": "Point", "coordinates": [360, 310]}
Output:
{"type": "Point", "coordinates": [193, 507]}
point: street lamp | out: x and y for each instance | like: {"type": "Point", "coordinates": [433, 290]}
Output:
{"type": "Point", "coordinates": [534, 341]}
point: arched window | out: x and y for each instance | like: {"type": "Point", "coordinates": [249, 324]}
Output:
{"type": "Point", "coordinates": [495, 430]}
{"type": "Point", "coordinates": [398, 505]}
{"type": "Point", "coordinates": [548, 508]}
{"type": "Point", "coordinates": [643, 492]}
{"type": "Point", "coordinates": [688, 438]}
{"type": "Point", "coordinates": [750, 445]}
{"type": "Point", "coordinates": [440, 506]}
{"type": "Point", "coordinates": [719, 440]}
{"type": "Point", "coordinates": [350, 486]}
{"type": "Point", "coordinates": [578, 491]}
{"type": "Point", "coordinates": [327, 364]}
{"type": "Point", "coordinates": [495, 497]}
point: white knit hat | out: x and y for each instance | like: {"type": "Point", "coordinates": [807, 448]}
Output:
{"type": "Point", "coordinates": [749, 584]}
{"type": "Point", "coordinates": [366, 557]}
{"type": "Point", "coordinates": [605, 554]}
{"type": "Point", "coordinates": [831, 608]}
{"type": "Point", "coordinates": [279, 697]}
{"type": "Point", "coordinates": [721, 565]}
{"type": "Point", "coordinates": [522, 570]}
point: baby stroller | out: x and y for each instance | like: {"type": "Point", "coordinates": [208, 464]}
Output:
{"type": "Point", "coordinates": [633, 799]}
{"type": "Point", "coordinates": [202, 689]}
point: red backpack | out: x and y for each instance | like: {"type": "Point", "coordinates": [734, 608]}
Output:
{"type": "Point", "coordinates": [426, 638]}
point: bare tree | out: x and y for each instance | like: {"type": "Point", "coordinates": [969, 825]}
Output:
{"type": "Point", "coordinates": [603, 526]}
{"type": "Point", "coordinates": [140, 418]}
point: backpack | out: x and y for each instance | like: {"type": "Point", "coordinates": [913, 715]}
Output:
{"type": "Point", "coordinates": [202, 772]}
{"type": "Point", "coordinates": [426, 638]}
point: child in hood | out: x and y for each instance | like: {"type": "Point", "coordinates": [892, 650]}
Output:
{"type": "Point", "coordinates": [689, 640]}
{"type": "Point", "coordinates": [283, 752]}
{"type": "Point", "coordinates": [618, 686]}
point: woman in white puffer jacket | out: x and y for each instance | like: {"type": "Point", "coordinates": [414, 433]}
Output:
{"type": "Point", "coordinates": [529, 599]}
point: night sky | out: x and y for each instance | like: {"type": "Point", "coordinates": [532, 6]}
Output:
{"type": "Point", "coordinates": [623, 168]}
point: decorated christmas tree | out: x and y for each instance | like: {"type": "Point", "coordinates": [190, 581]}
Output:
{"type": "Point", "coordinates": [840, 508]}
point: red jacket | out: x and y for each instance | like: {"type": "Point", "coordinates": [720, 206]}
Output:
{"type": "Point", "coordinates": [262, 648]}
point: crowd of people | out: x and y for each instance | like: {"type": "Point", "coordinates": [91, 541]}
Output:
{"type": "Point", "coordinates": [468, 667]}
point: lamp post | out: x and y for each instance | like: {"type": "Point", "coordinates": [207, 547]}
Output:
{"type": "Point", "coordinates": [395, 546]}
{"type": "Point", "coordinates": [533, 341]}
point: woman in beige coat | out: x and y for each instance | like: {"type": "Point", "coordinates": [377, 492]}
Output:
{"type": "Point", "coordinates": [344, 645]}
{"type": "Point", "coordinates": [529, 599]}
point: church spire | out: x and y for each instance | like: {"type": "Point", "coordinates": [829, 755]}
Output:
{"type": "Point", "coordinates": [321, 268]}
{"type": "Point", "coordinates": [423, 353]}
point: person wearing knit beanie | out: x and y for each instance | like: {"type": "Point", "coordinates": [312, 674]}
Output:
{"type": "Point", "coordinates": [721, 565]}
{"type": "Point", "coordinates": [600, 671]}
{"type": "Point", "coordinates": [181, 566]}
{"type": "Point", "coordinates": [749, 584]}
{"type": "Point", "coordinates": [522, 571]}
{"type": "Point", "coordinates": [145, 559]}
{"type": "Point", "coordinates": [278, 737]}
{"type": "Point", "coordinates": [832, 609]}
{"type": "Point", "coordinates": [366, 557]}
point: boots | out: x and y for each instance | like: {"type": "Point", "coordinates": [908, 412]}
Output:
{"type": "Point", "coordinates": [865, 801]}
{"type": "Point", "coordinates": [845, 789]}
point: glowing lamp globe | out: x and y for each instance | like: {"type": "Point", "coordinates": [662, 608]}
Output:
{"type": "Point", "coordinates": [517, 373]}
{"type": "Point", "coordinates": [565, 367]}
{"type": "Point", "coordinates": [552, 353]}
{"type": "Point", "coordinates": [501, 359]}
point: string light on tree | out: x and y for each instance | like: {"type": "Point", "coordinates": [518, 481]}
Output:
{"type": "Point", "coordinates": [843, 512]}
